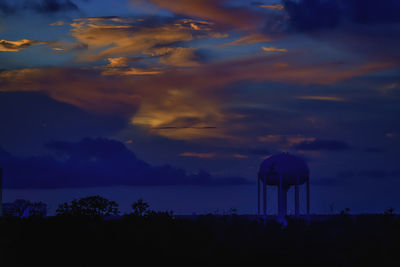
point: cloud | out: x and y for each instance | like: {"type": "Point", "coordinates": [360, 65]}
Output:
{"type": "Point", "coordinates": [118, 62]}
{"type": "Point", "coordinates": [178, 56]}
{"type": "Point", "coordinates": [275, 7]}
{"type": "Point", "coordinates": [198, 155]}
{"type": "Point", "coordinates": [218, 11]}
{"type": "Point", "coordinates": [9, 7]}
{"type": "Point", "coordinates": [187, 99]}
{"type": "Point", "coordinates": [51, 6]}
{"type": "Point", "coordinates": [130, 71]}
{"type": "Point", "coordinates": [113, 37]}
{"type": "Point", "coordinates": [93, 163]}
{"type": "Point", "coordinates": [121, 66]}
{"type": "Point", "coordinates": [323, 98]}
{"type": "Point", "coordinates": [254, 38]}
{"type": "Point", "coordinates": [357, 27]}
{"type": "Point", "coordinates": [311, 15]}
{"type": "Point", "coordinates": [28, 112]}
{"type": "Point", "coordinates": [240, 156]}
{"type": "Point", "coordinates": [16, 46]}
{"type": "Point", "coordinates": [273, 49]}
{"type": "Point", "coordinates": [322, 145]}
{"type": "Point", "coordinates": [58, 23]}
{"type": "Point", "coordinates": [285, 139]}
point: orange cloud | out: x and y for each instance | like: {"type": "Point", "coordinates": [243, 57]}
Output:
{"type": "Point", "coordinates": [240, 156]}
{"type": "Point", "coordinates": [286, 139]}
{"type": "Point", "coordinates": [250, 39]}
{"type": "Point", "coordinates": [387, 88]}
{"type": "Point", "coordinates": [176, 56]}
{"type": "Point", "coordinates": [277, 7]}
{"type": "Point", "coordinates": [197, 155]}
{"type": "Point", "coordinates": [117, 41]}
{"type": "Point", "coordinates": [130, 71]}
{"type": "Point", "coordinates": [107, 38]}
{"type": "Point", "coordinates": [213, 10]}
{"type": "Point", "coordinates": [391, 135]}
{"type": "Point", "coordinates": [58, 23]}
{"type": "Point", "coordinates": [16, 46]}
{"type": "Point", "coordinates": [273, 49]}
{"type": "Point", "coordinates": [323, 98]}
{"type": "Point", "coordinates": [118, 62]}
{"type": "Point", "coordinates": [178, 103]}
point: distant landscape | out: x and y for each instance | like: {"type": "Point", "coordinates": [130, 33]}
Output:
{"type": "Point", "coordinates": [199, 133]}
{"type": "Point", "coordinates": [87, 231]}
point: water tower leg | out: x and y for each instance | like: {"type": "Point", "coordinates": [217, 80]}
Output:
{"type": "Point", "coordinates": [296, 201]}
{"type": "Point", "coordinates": [265, 200]}
{"type": "Point", "coordinates": [258, 197]}
{"type": "Point", "coordinates": [308, 199]}
{"type": "Point", "coordinates": [1, 192]}
{"type": "Point", "coordinates": [280, 199]}
{"type": "Point", "coordinates": [284, 201]}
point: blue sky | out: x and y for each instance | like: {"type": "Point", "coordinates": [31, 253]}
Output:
{"type": "Point", "coordinates": [208, 88]}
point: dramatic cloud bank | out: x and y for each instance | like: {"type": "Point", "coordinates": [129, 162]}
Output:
{"type": "Point", "coordinates": [38, 6]}
{"type": "Point", "coordinates": [310, 15]}
{"type": "Point", "coordinates": [96, 162]}
{"type": "Point", "coordinates": [200, 84]}
{"type": "Point", "coordinates": [317, 145]}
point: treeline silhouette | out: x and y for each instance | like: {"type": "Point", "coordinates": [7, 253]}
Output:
{"type": "Point", "coordinates": [89, 232]}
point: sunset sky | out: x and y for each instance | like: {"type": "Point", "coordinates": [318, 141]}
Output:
{"type": "Point", "coordinates": [179, 101]}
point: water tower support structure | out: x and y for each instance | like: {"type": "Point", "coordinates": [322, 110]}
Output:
{"type": "Point", "coordinates": [308, 199]}
{"type": "Point", "coordinates": [283, 171]}
{"type": "Point", "coordinates": [1, 192]}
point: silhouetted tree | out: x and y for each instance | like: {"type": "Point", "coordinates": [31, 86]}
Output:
{"type": "Point", "coordinates": [232, 211]}
{"type": "Point", "coordinates": [389, 211]}
{"type": "Point", "coordinates": [20, 206]}
{"type": "Point", "coordinates": [140, 207]}
{"type": "Point", "coordinates": [37, 210]}
{"type": "Point", "coordinates": [345, 212]}
{"type": "Point", "coordinates": [24, 208]}
{"type": "Point", "coordinates": [94, 206]}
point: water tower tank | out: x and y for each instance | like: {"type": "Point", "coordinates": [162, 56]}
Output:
{"type": "Point", "coordinates": [292, 169]}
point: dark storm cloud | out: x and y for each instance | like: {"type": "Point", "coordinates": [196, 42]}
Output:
{"type": "Point", "coordinates": [46, 119]}
{"type": "Point", "coordinates": [360, 27]}
{"type": "Point", "coordinates": [8, 7]}
{"type": "Point", "coordinates": [310, 15]}
{"type": "Point", "coordinates": [51, 6]}
{"type": "Point", "coordinates": [318, 145]}
{"type": "Point", "coordinates": [96, 162]}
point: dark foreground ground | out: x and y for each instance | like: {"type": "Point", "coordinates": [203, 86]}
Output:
{"type": "Point", "coordinates": [343, 240]}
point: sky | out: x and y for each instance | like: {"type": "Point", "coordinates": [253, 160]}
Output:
{"type": "Point", "coordinates": [179, 101]}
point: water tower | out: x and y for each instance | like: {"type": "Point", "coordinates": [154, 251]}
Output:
{"type": "Point", "coordinates": [1, 192]}
{"type": "Point", "coordinates": [283, 170]}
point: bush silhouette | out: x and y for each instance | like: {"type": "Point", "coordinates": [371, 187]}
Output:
{"type": "Point", "coordinates": [24, 208]}
{"type": "Point", "coordinates": [140, 208]}
{"type": "Point", "coordinates": [92, 206]}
